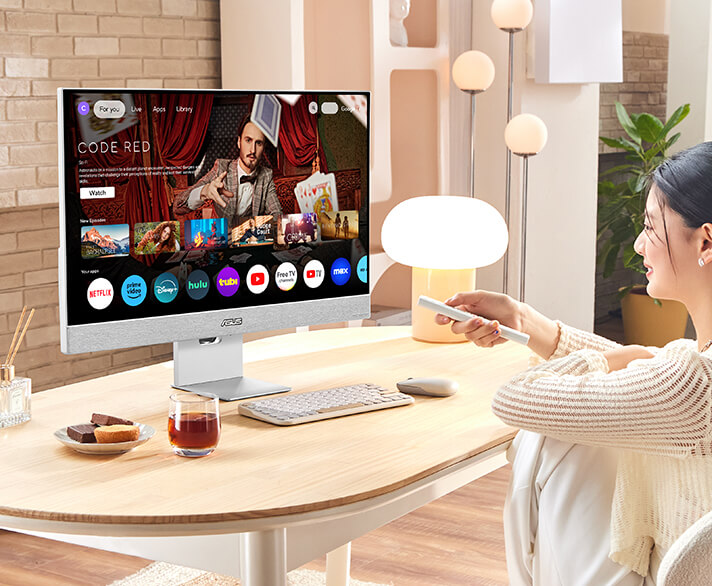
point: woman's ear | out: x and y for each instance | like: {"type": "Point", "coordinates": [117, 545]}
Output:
{"type": "Point", "coordinates": [706, 247]}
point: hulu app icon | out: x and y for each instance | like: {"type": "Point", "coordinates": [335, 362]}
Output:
{"type": "Point", "coordinates": [197, 285]}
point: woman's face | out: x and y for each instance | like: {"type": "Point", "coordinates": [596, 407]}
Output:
{"type": "Point", "coordinates": [165, 235]}
{"type": "Point", "coordinates": [669, 272]}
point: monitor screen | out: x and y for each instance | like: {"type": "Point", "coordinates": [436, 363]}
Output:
{"type": "Point", "coordinates": [194, 204]}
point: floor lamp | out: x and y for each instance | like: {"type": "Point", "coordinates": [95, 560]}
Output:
{"type": "Point", "coordinates": [510, 16]}
{"type": "Point", "coordinates": [473, 73]}
{"type": "Point", "coordinates": [525, 136]}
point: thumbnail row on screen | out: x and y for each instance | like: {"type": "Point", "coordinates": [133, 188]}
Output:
{"type": "Point", "coordinates": [112, 240]}
{"type": "Point", "coordinates": [227, 282]}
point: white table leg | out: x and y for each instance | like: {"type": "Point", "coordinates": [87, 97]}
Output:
{"type": "Point", "coordinates": [338, 565]}
{"type": "Point", "coordinates": [263, 558]}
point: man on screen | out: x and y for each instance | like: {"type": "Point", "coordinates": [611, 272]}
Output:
{"type": "Point", "coordinates": [240, 188]}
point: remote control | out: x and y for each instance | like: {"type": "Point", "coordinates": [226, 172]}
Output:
{"type": "Point", "coordinates": [459, 315]}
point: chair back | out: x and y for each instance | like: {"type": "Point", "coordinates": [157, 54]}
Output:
{"type": "Point", "coordinates": [689, 561]}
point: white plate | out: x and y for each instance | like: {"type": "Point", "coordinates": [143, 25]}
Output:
{"type": "Point", "coordinates": [146, 433]}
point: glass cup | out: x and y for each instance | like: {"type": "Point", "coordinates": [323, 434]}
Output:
{"type": "Point", "coordinates": [193, 424]}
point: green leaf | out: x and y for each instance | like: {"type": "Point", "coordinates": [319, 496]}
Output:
{"type": "Point", "coordinates": [609, 263]}
{"type": "Point", "coordinates": [626, 122]}
{"type": "Point", "coordinates": [623, 291]}
{"type": "Point", "coordinates": [675, 118]}
{"type": "Point", "coordinates": [630, 257]}
{"type": "Point", "coordinates": [672, 141]}
{"type": "Point", "coordinates": [649, 127]}
{"type": "Point", "coordinates": [616, 169]}
{"type": "Point", "coordinates": [617, 143]}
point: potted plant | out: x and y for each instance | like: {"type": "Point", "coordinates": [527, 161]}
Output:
{"type": "Point", "coordinates": [621, 213]}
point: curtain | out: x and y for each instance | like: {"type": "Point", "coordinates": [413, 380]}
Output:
{"type": "Point", "coordinates": [299, 133]}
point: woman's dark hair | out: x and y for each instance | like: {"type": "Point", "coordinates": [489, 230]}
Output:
{"type": "Point", "coordinates": [684, 184]}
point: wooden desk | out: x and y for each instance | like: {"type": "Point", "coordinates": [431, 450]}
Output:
{"type": "Point", "coordinates": [292, 493]}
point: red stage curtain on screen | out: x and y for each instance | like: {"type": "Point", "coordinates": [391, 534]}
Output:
{"type": "Point", "coordinates": [176, 138]}
{"type": "Point", "coordinates": [298, 133]}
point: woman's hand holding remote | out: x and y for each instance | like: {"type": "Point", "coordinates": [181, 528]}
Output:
{"type": "Point", "coordinates": [501, 309]}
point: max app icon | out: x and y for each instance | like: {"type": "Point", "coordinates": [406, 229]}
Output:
{"type": "Point", "coordinates": [257, 279]}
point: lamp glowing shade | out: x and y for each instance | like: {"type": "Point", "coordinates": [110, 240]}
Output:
{"type": "Point", "coordinates": [444, 232]}
{"type": "Point", "coordinates": [525, 134]}
{"type": "Point", "coordinates": [473, 71]}
{"type": "Point", "coordinates": [511, 15]}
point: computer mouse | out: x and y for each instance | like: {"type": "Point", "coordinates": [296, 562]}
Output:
{"type": "Point", "coordinates": [432, 387]}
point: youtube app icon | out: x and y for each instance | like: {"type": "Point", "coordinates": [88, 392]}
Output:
{"type": "Point", "coordinates": [314, 274]}
{"type": "Point", "coordinates": [257, 279]}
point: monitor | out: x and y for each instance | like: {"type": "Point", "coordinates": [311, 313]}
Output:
{"type": "Point", "coordinates": [196, 216]}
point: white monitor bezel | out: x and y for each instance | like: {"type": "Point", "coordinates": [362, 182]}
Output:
{"type": "Point", "coordinates": [205, 324]}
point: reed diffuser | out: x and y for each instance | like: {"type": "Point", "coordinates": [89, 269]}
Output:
{"type": "Point", "coordinates": [15, 392]}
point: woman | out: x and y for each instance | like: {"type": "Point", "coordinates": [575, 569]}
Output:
{"type": "Point", "coordinates": [161, 239]}
{"type": "Point", "coordinates": [615, 462]}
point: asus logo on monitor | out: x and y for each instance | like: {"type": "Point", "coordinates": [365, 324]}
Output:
{"type": "Point", "coordinates": [231, 321]}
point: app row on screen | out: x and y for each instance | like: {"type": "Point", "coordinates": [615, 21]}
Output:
{"type": "Point", "coordinates": [165, 288]}
{"type": "Point", "coordinates": [112, 240]}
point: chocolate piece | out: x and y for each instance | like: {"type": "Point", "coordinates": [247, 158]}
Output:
{"type": "Point", "coordinates": [82, 433]}
{"type": "Point", "coordinates": [101, 419]}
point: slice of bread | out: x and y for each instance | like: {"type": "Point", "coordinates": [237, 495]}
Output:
{"type": "Point", "coordinates": [110, 434]}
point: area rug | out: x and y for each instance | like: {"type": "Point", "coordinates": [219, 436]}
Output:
{"type": "Point", "coordinates": [164, 574]}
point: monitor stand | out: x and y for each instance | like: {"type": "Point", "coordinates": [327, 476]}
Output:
{"type": "Point", "coordinates": [214, 366]}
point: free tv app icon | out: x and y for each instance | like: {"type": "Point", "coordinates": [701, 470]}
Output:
{"type": "Point", "coordinates": [257, 279]}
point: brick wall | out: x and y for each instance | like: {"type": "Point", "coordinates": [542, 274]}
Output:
{"type": "Point", "coordinates": [45, 44]}
{"type": "Point", "coordinates": [644, 87]}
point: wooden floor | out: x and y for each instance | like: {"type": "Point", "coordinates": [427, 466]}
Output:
{"type": "Point", "coordinates": [455, 541]}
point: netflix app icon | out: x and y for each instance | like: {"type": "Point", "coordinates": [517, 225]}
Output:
{"type": "Point", "coordinates": [257, 279]}
{"type": "Point", "coordinates": [314, 274]}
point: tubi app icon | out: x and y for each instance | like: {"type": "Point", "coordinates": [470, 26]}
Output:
{"type": "Point", "coordinates": [257, 279]}
{"type": "Point", "coordinates": [228, 282]}
{"type": "Point", "coordinates": [165, 287]}
{"type": "Point", "coordinates": [362, 269]}
{"type": "Point", "coordinates": [340, 271]}
{"type": "Point", "coordinates": [100, 293]}
{"type": "Point", "coordinates": [134, 290]}
{"type": "Point", "coordinates": [197, 285]}
{"type": "Point", "coordinates": [314, 274]}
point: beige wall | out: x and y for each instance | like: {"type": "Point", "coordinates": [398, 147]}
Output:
{"type": "Point", "coordinates": [646, 16]}
{"type": "Point", "coordinates": [45, 44]}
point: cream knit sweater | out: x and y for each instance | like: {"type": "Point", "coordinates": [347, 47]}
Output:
{"type": "Point", "coordinates": [657, 411]}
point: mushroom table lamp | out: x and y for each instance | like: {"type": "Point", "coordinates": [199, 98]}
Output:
{"type": "Point", "coordinates": [444, 238]}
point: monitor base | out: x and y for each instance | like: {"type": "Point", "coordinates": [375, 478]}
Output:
{"type": "Point", "coordinates": [234, 389]}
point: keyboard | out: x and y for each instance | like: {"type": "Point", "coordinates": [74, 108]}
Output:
{"type": "Point", "coordinates": [323, 404]}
